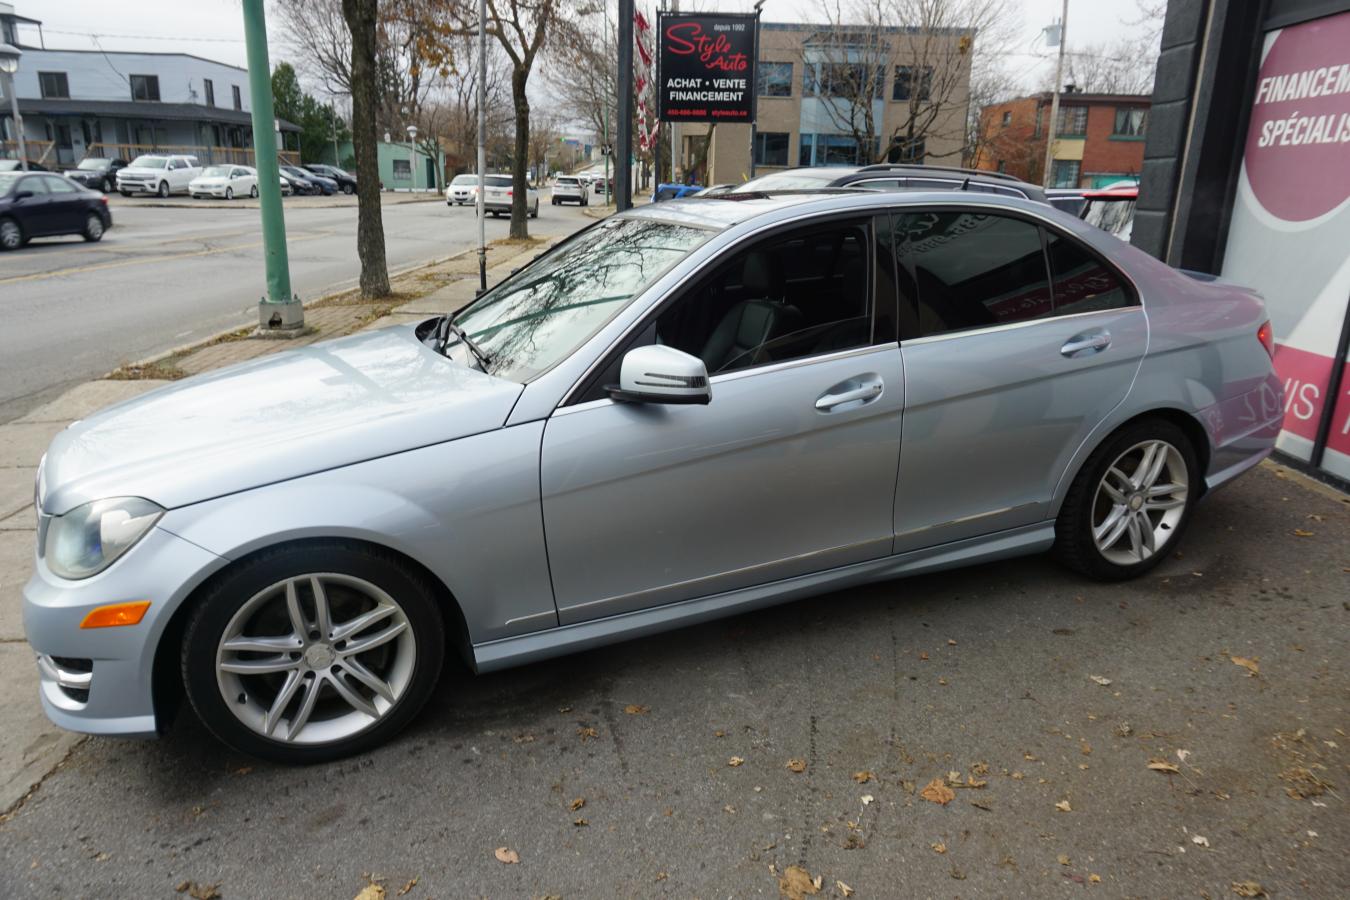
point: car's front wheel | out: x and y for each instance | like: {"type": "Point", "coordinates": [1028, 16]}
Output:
{"type": "Point", "coordinates": [253, 191]}
{"type": "Point", "coordinates": [163, 189]}
{"type": "Point", "coordinates": [313, 652]}
{"type": "Point", "coordinates": [93, 228]}
{"type": "Point", "coordinates": [1130, 502]}
{"type": "Point", "coordinates": [229, 193]}
{"type": "Point", "coordinates": [107, 186]}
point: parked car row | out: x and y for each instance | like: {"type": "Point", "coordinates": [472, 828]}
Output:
{"type": "Point", "coordinates": [165, 174]}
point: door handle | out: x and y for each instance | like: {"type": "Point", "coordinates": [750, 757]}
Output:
{"type": "Point", "coordinates": [1089, 341]}
{"type": "Point", "coordinates": [869, 390]}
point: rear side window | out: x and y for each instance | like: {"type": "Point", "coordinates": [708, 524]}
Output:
{"type": "Point", "coordinates": [569, 182]}
{"type": "Point", "coordinates": [1082, 282]}
{"type": "Point", "coordinates": [498, 181]}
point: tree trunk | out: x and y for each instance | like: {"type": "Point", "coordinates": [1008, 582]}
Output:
{"type": "Point", "coordinates": [361, 16]}
{"type": "Point", "coordinates": [520, 160]}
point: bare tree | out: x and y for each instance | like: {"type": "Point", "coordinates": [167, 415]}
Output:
{"type": "Point", "coordinates": [362, 18]}
{"type": "Point", "coordinates": [1123, 67]}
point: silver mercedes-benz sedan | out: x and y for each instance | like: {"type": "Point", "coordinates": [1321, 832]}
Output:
{"type": "Point", "coordinates": [685, 411]}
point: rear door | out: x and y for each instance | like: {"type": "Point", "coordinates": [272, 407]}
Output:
{"type": "Point", "coordinates": [497, 190]}
{"type": "Point", "coordinates": [1017, 340]}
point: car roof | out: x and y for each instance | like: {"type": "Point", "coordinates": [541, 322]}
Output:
{"type": "Point", "coordinates": [1113, 194]}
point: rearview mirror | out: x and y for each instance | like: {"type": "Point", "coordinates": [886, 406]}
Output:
{"type": "Point", "coordinates": [661, 374]}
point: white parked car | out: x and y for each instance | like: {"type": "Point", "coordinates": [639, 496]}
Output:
{"type": "Point", "coordinates": [156, 173]}
{"type": "Point", "coordinates": [497, 196]}
{"type": "Point", "coordinates": [571, 188]}
{"type": "Point", "coordinates": [225, 181]}
{"type": "Point", "coordinates": [461, 190]}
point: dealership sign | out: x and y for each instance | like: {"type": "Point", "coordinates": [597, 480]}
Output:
{"type": "Point", "coordinates": [706, 67]}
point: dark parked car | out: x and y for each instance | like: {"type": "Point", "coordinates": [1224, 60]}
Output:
{"type": "Point", "coordinates": [317, 183]}
{"type": "Point", "coordinates": [346, 181]}
{"type": "Point", "coordinates": [96, 172]}
{"type": "Point", "coordinates": [894, 177]}
{"type": "Point", "coordinates": [39, 204]}
{"type": "Point", "coordinates": [12, 165]}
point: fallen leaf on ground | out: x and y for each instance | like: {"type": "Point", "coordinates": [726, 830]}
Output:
{"type": "Point", "coordinates": [951, 643]}
{"type": "Point", "coordinates": [797, 883]}
{"type": "Point", "coordinates": [844, 889]}
{"type": "Point", "coordinates": [796, 765]}
{"type": "Point", "coordinates": [505, 855]}
{"type": "Point", "coordinates": [953, 776]}
{"type": "Point", "coordinates": [209, 892]}
{"type": "Point", "coordinates": [1085, 748]}
{"type": "Point", "coordinates": [719, 733]}
{"type": "Point", "coordinates": [1063, 806]}
{"type": "Point", "coordinates": [867, 798]}
{"type": "Point", "coordinates": [1095, 879]}
{"type": "Point", "coordinates": [937, 792]}
{"type": "Point", "coordinates": [862, 777]}
{"type": "Point", "coordinates": [735, 761]}
{"type": "Point", "coordinates": [1199, 840]}
{"type": "Point", "coordinates": [369, 892]}
{"type": "Point", "coordinates": [407, 887]}
{"type": "Point", "coordinates": [1300, 532]}
{"type": "Point", "coordinates": [1251, 665]}
{"type": "Point", "coordinates": [1248, 889]}
{"type": "Point", "coordinates": [939, 847]}
{"type": "Point", "coordinates": [923, 656]}
{"type": "Point", "coordinates": [973, 782]}
{"type": "Point", "coordinates": [587, 732]}
{"type": "Point", "coordinates": [958, 874]}
{"type": "Point", "coordinates": [634, 710]}
{"type": "Point", "coordinates": [243, 770]}
{"type": "Point", "coordinates": [980, 769]}
{"type": "Point", "coordinates": [1063, 859]}
{"type": "Point", "coordinates": [1100, 680]}
{"type": "Point", "coordinates": [577, 804]}
{"type": "Point", "coordinates": [580, 823]}
{"type": "Point", "coordinates": [1162, 765]}
{"type": "Point", "coordinates": [1183, 755]}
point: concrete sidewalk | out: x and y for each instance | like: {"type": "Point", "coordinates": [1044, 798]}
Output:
{"type": "Point", "coordinates": [30, 746]}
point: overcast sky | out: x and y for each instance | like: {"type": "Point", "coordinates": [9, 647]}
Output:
{"type": "Point", "coordinates": [214, 28]}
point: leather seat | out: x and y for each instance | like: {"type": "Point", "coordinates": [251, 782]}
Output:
{"type": "Point", "coordinates": [751, 323]}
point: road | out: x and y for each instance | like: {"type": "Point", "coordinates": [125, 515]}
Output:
{"type": "Point", "coordinates": [166, 276]}
{"type": "Point", "coordinates": [608, 772]}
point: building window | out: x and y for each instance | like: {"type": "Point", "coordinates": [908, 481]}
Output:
{"type": "Point", "coordinates": [1130, 122]}
{"type": "Point", "coordinates": [238, 103]}
{"type": "Point", "coordinates": [775, 79]}
{"type": "Point", "coordinates": [1003, 166]}
{"type": "Point", "coordinates": [54, 85]}
{"type": "Point", "coordinates": [402, 168]}
{"type": "Point", "coordinates": [830, 150]}
{"type": "Point", "coordinates": [1007, 118]}
{"type": "Point", "coordinates": [771, 148]}
{"type": "Point", "coordinates": [1072, 120]}
{"type": "Point", "coordinates": [145, 87]}
{"type": "Point", "coordinates": [843, 80]}
{"type": "Point", "coordinates": [904, 82]}
{"type": "Point", "coordinates": [907, 151]}
{"type": "Point", "coordinates": [210, 91]}
{"type": "Point", "coordinates": [1065, 173]}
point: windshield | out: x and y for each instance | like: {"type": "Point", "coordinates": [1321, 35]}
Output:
{"type": "Point", "coordinates": [150, 162]}
{"type": "Point", "coordinates": [95, 164]}
{"type": "Point", "coordinates": [7, 180]}
{"type": "Point", "coordinates": [1112, 216]}
{"type": "Point", "coordinates": [465, 179]}
{"type": "Point", "coordinates": [535, 318]}
{"type": "Point", "coordinates": [780, 181]}
{"type": "Point", "coordinates": [216, 172]}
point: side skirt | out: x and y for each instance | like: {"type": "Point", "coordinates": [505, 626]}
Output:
{"type": "Point", "coordinates": [513, 651]}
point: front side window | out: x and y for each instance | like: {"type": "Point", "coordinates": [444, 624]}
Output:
{"type": "Point", "coordinates": [539, 315]}
{"type": "Point", "coordinates": [791, 296]}
{"type": "Point", "coordinates": [1130, 122]}
{"type": "Point", "coordinates": [54, 85]}
{"type": "Point", "coordinates": [775, 79]}
{"type": "Point", "coordinates": [771, 148]}
{"type": "Point", "coordinates": [215, 171]}
{"type": "Point", "coordinates": [58, 185]}
{"type": "Point", "coordinates": [150, 162]}
{"type": "Point", "coordinates": [144, 87]}
{"type": "Point", "coordinates": [909, 79]}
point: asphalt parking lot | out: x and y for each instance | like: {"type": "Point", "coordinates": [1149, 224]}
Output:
{"type": "Point", "coordinates": [1005, 730]}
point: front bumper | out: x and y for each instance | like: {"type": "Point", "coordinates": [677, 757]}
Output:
{"type": "Point", "coordinates": [217, 190]}
{"type": "Point", "coordinates": [100, 680]}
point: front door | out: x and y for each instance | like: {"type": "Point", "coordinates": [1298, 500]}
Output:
{"type": "Point", "coordinates": [789, 470]}
{"type": "Point", "coordinates": [1018, 341]}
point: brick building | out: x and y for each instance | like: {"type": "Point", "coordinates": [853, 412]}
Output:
{"type": "Point", "coordinates": [1100, 138]}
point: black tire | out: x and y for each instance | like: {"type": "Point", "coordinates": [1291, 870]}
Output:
{"type": "Point", "coordinates": [107, 186]}
{"type": "Point", "coordinates": [555, 201]}
{"type": "Point", "coordinates": [212, 615]}
{"type": "Point", "coordinates": [163, 190]}
{"type": "Point", "coordinates": [229, 193]}
{"type": "Point", "coordinates": [253, 191]}
{"type": "Point", "coordinates": [1074, 543]}
{"type": "Point", "coordinates": [11, 234]}
{"type": "Point", "coordinates": [534, 212]}
{"type": "Point", "coordinates": [585, 201]}
{"type": "Point", "coordinates": [93, 228]}
{"type": "Point", "coordinates": [124, 193]}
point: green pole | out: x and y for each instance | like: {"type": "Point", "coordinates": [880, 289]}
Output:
{"type": "Point", "coordinates": [265, 155]}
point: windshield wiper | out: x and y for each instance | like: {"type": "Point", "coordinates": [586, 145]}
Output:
{"type": "Point", "coordinates": [448, 327]}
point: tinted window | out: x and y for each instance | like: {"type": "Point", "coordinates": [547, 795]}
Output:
{"type": "Point", "coordinates": [1082, 282]}
{"type": "Point", "coordinates": [800, 294]}
{"type": "Point", "coordinates": [144, 87]}
{"type": "Point", "coordinates": [58, 185]}
{"type": "Point", "coordinates": [971, 270]}
{"type": "Point", "coordinates": [34, 183]}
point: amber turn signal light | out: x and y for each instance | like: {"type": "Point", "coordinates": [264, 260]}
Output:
{"type": "Point", "coordinates": [116, 614]}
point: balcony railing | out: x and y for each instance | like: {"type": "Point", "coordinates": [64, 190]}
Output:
{"type": "Point", "coordinates": [46, 153]}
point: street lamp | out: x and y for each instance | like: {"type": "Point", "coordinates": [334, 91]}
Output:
{"type": "Point", "coordinates": [412, 156]}
{"type": "Point", "coordinates": [9, 64]}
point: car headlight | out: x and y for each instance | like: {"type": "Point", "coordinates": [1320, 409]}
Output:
{"type": "Point", "coordinates": [89, 538]}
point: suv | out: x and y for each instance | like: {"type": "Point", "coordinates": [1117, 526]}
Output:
{"type": "Point", "coordinates": [158, 173]}
{"type": "Point", "coordinates": [497, 191]}
{"type": "Point", "coordinates": [570, 187]}
{"type": "Point", "coordinates": [96, 172]}
{"type": "Point", "coordinates": [894, 177]}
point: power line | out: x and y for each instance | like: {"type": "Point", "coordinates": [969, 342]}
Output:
{"type": "Point", "coordinates": [145, 37]}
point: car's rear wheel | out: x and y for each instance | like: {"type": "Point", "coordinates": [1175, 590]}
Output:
{"type": "Point", "coordinates": [11, 235]}
{"type": "Point", "coordinates": [348, 189]}
{"type": "Point", "coordinates": [311, 653]}
{"type": "Point", "coordinates": [1130, 502]}
{"type": "Point", "coordinates": [163, 189]}
{"type": "Point", "coordinates": [93, 228]}
{"type": "Point", "coordinates": [253, 191]}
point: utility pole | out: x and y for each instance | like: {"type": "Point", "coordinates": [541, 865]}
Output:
{"type": "Point", "coordinates": [482, 144]}
{"type": "Point", "coordinates": [280, 312]}
{"type": "Point", "coordinates": [623, 169]}
{"type": "Point", "coordinates": [1048, 175]}
{"type": "Point", "coordinates": [412, 157]}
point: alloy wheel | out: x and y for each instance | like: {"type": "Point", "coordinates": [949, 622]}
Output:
{"type": "Point", "coordinates": [315, 658]}
{"type": "Point", "coordinates": [229, 193]}
{"type": "Point", "coordinates": [93, 228]}
{"type": "Point", "coordinates": [1140, 502]}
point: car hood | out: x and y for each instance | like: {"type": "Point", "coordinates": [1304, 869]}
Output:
{"type": "Point", "coordinates": [212, 181]}
{"type": "Point", "coordinates": [279, 417]}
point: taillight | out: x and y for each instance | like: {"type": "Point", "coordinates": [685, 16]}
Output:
{"type": "Point", "coordinates": [1266, 335]}
{"type": "Point", "coordinates": [508, 193]}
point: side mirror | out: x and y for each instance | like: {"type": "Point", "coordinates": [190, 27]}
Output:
{"type": "Point", "coordinates": [22, 195]}
{"type": "Point", "coordinates": [661, 374]}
